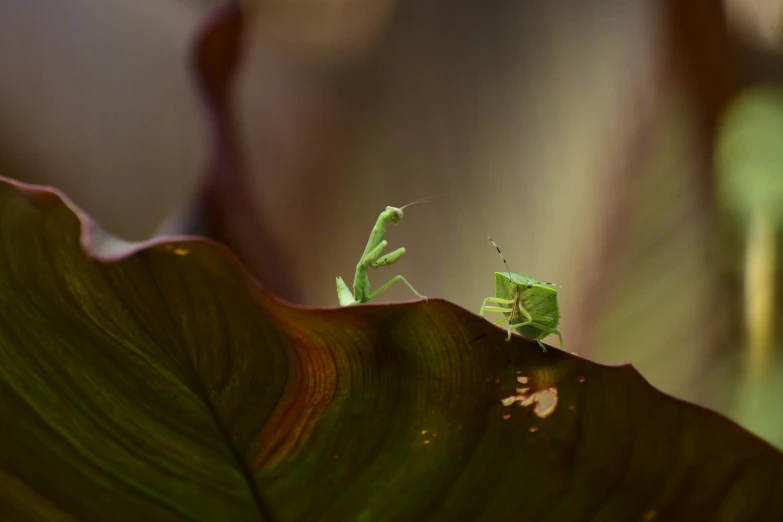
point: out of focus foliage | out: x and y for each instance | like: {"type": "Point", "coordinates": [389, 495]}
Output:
{"type": "Point", "coordinates": [751, 155]}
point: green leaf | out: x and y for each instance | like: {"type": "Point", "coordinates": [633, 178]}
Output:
{"type": "Point", "coordinates": [164, 384]}
{"type": "Point", "coordinates": [749, 154]}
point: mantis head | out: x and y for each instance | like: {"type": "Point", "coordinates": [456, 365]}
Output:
{"type": "Point", "coordinates": [396, 214]}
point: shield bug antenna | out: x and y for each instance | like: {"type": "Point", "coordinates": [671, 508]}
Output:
{"type": "Point", "coordinates": [501, 256]}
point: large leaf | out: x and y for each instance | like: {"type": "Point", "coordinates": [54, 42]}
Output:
{"type": "Point", "coordinates": [166, 385]}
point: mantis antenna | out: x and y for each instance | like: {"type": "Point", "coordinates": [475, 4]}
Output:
{"type": "Point", "coordinates": [422, 200]}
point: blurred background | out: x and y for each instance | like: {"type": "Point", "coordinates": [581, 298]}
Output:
{"type": "Point", "coordinates": [628, 150]}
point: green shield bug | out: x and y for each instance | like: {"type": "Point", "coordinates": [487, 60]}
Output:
{"type": "Point", "coordinates": [529, 305]}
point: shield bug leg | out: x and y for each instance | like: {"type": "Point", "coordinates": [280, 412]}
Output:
{"type": "Point", "coordinates": [542, 328]}
{"type": "Point", "coordinates": [496, 309]}
{"type": "Point", "coordinates": [497, 300]}
{"type": "Point", "coordinates": [500, 321]}
{"type": "Point", "coordinates": [541, 319]}
{"type": "Point", "coordinates": [528, 320]}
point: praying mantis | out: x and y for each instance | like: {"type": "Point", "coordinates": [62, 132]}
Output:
{"type": "Point", "coordinates": [529, 305]}
{"type": "Point", "coordinates": [373, 258]}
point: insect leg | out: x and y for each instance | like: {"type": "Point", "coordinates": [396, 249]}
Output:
{"type": "Point", "coordinates": [361, 283]}
{"type": "Point", "coordinates": [378, 231]}
{"type": "Point", "coordinates": [553, 331]}
{"type": "Point", "coordinates": [520, 325]}
{"type": "Point", "coordinates": [374, 248]}
{"type": "Point", "coordinates": [373, 254]}
{"type": "Point", "coordinates": [344, 294]}
{"type": "Point", "coordinates": [388, 259]}
{"type": "Point", "coordinates": [513, 327]}
{"type": "Point", "coordinates": [549, 331]}
{"type": "Point", "coordinates": [520, 310]}
{"type": "Point", "coordinates": [494, 300]}
{"type": "Point", "coordinates": [391, 282]}
{"type": "Point", "coordinates": [542, 328]}
{"type": "Point", "coordinates": [541, 319]}
{"type": "Point", "coordinates": [496, 309]}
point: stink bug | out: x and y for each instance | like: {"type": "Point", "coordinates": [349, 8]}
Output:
{"type": "Point", "coordinates": [529, 305]}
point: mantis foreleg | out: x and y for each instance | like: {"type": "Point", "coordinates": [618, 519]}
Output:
{"type": "Point", "coordinates": [388, 259]}
{"type": "Point", "coordinates": [373, 254]}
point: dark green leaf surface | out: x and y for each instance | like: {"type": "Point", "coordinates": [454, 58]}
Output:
{"type": "Point", "coordinates": [166, 385]}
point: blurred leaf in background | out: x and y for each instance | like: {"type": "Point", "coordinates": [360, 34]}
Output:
{"type": "Point", "coordinates": [751, 190]}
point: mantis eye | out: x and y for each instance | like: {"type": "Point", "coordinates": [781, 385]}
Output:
{"type": "Point", "coordinates": [529, 285]}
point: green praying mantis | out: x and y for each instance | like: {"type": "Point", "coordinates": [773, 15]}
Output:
{"type": "Point", "coordinates": [529, 305]}
{"type": "Point", "coordinates": [373, 258]}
